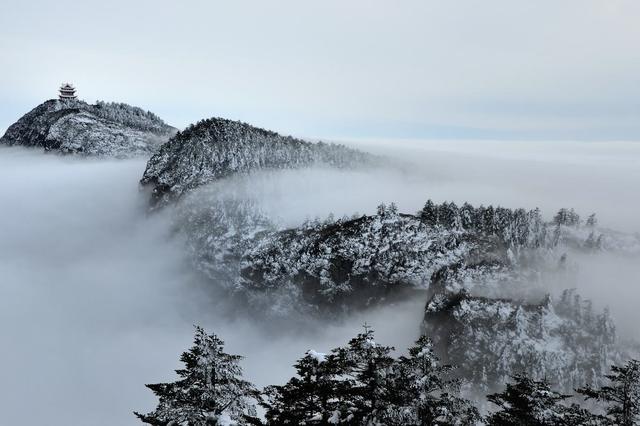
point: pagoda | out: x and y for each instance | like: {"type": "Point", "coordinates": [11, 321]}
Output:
{"type": "Point", "coordinates": [67, 91]}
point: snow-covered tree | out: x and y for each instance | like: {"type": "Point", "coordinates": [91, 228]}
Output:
{"type": "Point", "coordinates": [450, 216]}
{"type": "Point", "coordinates": [467, 216]}
{"type": "Point", "coordinates": [426, 392]}
{"type": "Point", "coordinates": [527, 402]}
{"type": "Point", "coordinates": [566, 217]}
{"type": "Point", "coordinates": [430, 213]}
{"type": "Point", "coordinates": [621, 396]}
{"type": "Point", "coordinates": [210, 390]}
{"type": "Point", "coordinates": [366, 369]}
{"type": "Point", "coordinates": [308, 398]}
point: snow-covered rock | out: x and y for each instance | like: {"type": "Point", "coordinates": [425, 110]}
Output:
{"type": "Point", "coordinates": [341, 265]}
{"type": "Point", "coordinates": [76, 127]}
{"type": "Point", "coordinates": [490, 339]}
{"type": "Point", "coordinates": [216, 148]}
{"type": "Point", "coordinates": [355, 263]}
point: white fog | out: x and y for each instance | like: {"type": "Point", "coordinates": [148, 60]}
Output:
{"type": "Point", "coordinates": [96, 298]}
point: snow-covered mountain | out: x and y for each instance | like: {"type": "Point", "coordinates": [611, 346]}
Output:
{"type": "Point", "coordinates": [216, 148]}
{"type": "Point", "coordinates": [76, 127]}
{"type": "Point", "coordinates": [359, 262]}
{"type": "Point", "coordinates": [350, 263]}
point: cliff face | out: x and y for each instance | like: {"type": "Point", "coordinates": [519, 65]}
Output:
{"type": "Point", "coordinates": [216, 148]}
{"type": "Point", "coordinates": [103, 129]}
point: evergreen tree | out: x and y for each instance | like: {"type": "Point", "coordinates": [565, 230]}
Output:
{"type": "Point", "coordinates": [449, 216]}
{"type": "Point", "coordinates": [429, 213]}
{"type": "Point", "coordinates": [562, 217]}
{"type": "Point", "coordinates": [621, 396]}
{"type": "Point", "coordinates": [567, 217]}
{"type": "Point", "coordinates": [489, 220]}
{"type": "Point", "coordinates": [574, 218]}
{"type": "Point", "coordinates": [467, 216]}
{"type": "Point", "coordinates": [366, 389]}
{"type": "Point", "coordinates": [526, 402]}
{"type": "Point", "coordinates": [427, 394]}
{"type": "Point", "coordinates": [592, 221]}
{"type": "Point", "coordinates": [210, 390]}
{"type": "Point", "coordinates": [307, 398]}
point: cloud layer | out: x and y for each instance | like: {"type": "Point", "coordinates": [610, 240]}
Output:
{"type": "Point", "coordinates": [96, 298]}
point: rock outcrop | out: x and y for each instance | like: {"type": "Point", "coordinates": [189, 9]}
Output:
{"type": "Point", "coordinates": [76, 127]}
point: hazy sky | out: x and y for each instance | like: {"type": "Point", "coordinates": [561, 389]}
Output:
{"type": "Point", "coordinates": [511, 69]}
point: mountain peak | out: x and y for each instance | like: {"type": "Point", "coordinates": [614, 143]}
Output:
{"type": "Point", "coordinates": [72, 126]}
{"type": "Point", "coordinates": [216, 148]}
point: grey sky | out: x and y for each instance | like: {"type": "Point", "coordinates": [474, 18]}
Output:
{"type": "Point", "coordinates": [419, 69]}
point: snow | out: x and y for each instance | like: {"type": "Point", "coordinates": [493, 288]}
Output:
{"type": "Point", "coordinates": [225, 420]}
{"type": "Point", "coordinates": [318, 356]}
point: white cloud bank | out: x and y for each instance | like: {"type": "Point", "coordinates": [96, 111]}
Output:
{"type": "Point", "coordinates": [96, 299]}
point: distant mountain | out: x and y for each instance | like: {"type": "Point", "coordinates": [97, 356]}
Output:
{"type": "Point", "coordinates": [76, 127]}
{"type": "Point", "coordinates": [216, 148]}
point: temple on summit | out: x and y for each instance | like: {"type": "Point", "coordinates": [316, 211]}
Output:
{"type": "Point", "coordinates": [67, 91]}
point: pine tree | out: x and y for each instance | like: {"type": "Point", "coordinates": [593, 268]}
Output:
{"type": "Point", "coordinates": [592, 221]}
{"type": "Point", "coordinates": [427, 393]}
{"type": "Point", "coordinates": [366, 389]}
{"type": "Point", "coordinates": [467, 216]}
{"type": "Point", "coordinates": [430, 214]}
{"type": "Point", "coordinates": [621, 396]}
{"type": "Point", "coordinates": [210, 390]}
{"type": "Point", "coordinates": [527, 402]}
{"type": "Point", "coordinates": [536, 229]}
{"type": "Point", "coordinates": [489, 220]}
{"type": "Point", "coordinates": [567, 217]}
{"type": "Point", "coordinates": [449, 216]}
{"type": "Point", "coordinates": [562, 217]}
{"type": "Point", "coordinates": [307, 398]}
{"type": "Point", "coordinates": [574, 218]}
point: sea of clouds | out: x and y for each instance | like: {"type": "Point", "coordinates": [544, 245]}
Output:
{"type": "Point", "coordinates": [97, 298]}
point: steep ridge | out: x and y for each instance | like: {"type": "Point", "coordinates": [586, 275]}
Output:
{"type": "Point", "coordinates": [75, 127]}
{"type": "Point", "coordinates": [216, 148]}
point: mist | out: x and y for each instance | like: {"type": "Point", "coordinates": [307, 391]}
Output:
{"type": "Point", "coordinates": [97, 297]}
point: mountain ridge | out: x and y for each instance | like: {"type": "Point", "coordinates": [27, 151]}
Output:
{"type": "Point", "coordinates": [216, 148]}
